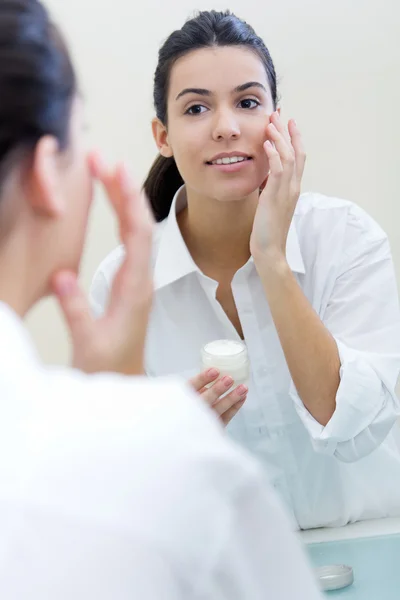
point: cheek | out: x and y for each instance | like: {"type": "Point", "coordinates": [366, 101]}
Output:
{"type": "Point", "coordinates": [264, 162]}
{"type": "Point", "coordinates": [259, 132]}
{"type": "Point", "coordinates": [87, 188]}
{"type": "Point", "coordinates": [260, 137]}
{"type": "Point", "coordinates": [188, 142]}
{"type": "Point", "coordinates": [188, 155]}
{"type": "Point", "coordinates": [83, 184]}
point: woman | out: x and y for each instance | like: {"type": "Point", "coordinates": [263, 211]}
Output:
{"type": "Point", "coordinates": [307, 281]}
{"type": "Point", "coordinates": [87, 509]}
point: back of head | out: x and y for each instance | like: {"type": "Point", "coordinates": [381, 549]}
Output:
{"type": "Point", "coordinates": [208, 29]}
{"type": "Point", "coordinates": [37, 82]}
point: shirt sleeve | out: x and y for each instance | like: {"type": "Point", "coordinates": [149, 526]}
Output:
{"type": "Point", "coordinates": [362, 314]}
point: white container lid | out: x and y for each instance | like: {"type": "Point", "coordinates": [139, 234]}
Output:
{"type": "Point", "coordinates": [334, 577]}
{"type": "Point", "coordinates": [225, 351]}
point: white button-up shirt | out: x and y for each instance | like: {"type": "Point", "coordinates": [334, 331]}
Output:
{"type": "Point", "coordinates": [117, 488]}
{"type": "Point", "coordinates": [350, 469]}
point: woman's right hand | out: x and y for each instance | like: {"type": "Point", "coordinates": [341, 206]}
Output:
{"type": "Point", "coordinates": [116, 341]}
{"type": "Point", "coordinates": [226, 407]}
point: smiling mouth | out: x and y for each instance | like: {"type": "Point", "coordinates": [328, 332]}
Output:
{"type": "Point", "coordinates": [229, 161]}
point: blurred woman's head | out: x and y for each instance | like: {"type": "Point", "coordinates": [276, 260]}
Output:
{"type": "Point", "coordinates": [45, 185]}
{"type": "Point", "coordinates": [214, 90]}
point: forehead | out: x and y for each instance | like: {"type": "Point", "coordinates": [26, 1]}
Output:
{"type": "Point", "coordinates": [218, 69]}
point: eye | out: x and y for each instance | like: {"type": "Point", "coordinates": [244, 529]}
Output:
{"type": "Point", "coordinates": [249, 103]}
{"type": "Point", "coordinates": [196, 109]}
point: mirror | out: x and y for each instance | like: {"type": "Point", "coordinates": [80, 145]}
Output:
{"type": "Point", "coordinates": [296, 267]}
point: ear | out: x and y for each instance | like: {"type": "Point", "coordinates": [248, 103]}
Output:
{"type": "Point", "coordinates": [44, 191]}
{"type": "Point", "coordinates": [160, 135]}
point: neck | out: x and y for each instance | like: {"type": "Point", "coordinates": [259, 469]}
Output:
{"type": "Point", "coordinates": [19, 279]}
{"type": "Point", "coordinates": [217, 233]}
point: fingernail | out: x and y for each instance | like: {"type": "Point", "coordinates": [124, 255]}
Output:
{"type": "Point", "coordinates": [97, 164]}
{"type": "Point", "coordinates": [212, 373]}
{"type": "Point", "coordinates": [242, 390]}
{"type": "Point", "coordinates": [294, 122]}
{"type": "Point", "coordinates": [65, 286]}
{"type": "Point", "coordinates": [268, 143]}
{"type": "Point", "coordinates": [227, 381]}
{"type": "Point", "coordinates": [100, 162]}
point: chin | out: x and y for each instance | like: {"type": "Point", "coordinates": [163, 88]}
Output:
{"type": "Point", "coordinates": [235, 191]}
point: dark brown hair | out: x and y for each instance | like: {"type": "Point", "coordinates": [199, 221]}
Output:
{"type": "Point", "coordinates": [37, 81]}
{"type": "Point", "coordinates": [207, 29]}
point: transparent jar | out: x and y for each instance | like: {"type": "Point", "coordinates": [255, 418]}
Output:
{"type": "Point", "coordinates": [230, 357]}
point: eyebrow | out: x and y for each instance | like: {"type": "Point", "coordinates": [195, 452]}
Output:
{"type": "Point", "coordinates": [204, 92]}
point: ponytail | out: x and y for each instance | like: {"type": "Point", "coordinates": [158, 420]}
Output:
{"type": "Point", "coordinates": [161, 185]}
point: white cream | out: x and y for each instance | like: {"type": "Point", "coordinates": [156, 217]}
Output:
{"type": "Point", "coordinates": [229, 357]}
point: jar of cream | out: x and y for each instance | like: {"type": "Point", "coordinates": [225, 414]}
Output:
{"type": "Point", "coordinates": [229, 357]}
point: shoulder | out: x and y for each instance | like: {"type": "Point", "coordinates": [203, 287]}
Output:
{"type": "Point", "coordinates": [124, 442]}
{"type": "Point", "coordinates": [129, 460]}
{"type": "Point", "coordinates": [329, 217]}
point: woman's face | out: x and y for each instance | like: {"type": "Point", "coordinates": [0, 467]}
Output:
{"type": "Point", "coordinates": [219, 103]}
{"type": "Point", "coordinates": [74, 191]}
{"type": "Point", "coordinates": [46, 203]}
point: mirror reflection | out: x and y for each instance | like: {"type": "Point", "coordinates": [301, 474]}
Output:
{"type": "Point", "coordinates": [289, 295]}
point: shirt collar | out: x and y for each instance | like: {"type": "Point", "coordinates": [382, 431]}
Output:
{"type": "Point", "coordinates": [174, 261]}
{"type": "Point", "coordinates": [173, 258]}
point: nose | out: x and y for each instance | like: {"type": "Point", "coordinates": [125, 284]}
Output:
{"type": "Point", "coordinates": [225, 126]}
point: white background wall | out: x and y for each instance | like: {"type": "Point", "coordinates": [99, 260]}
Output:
{"type": "Point", "coordinates": [339, 66]}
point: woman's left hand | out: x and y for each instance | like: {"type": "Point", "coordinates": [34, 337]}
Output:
{"type": "Point", "coordinates": [279, 197]}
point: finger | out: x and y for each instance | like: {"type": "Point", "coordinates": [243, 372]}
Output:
{"type": "Point", "coordinates": [132, 286]}
{"type": "Point", "coordinates": [133, 210]}
{"type": "Point", "coordinates": [123, 198]}
{"type": "Point", "coordinates": [275, 173]}
{"type": "Point", "coordinates": [298, 146]}
{"type": "Point", "coordinates": [97, 165]}
{"type": "Point", "coordinates": [278, 122]}
{"type": "Point", "coordinates": [228, 401]}
{"type": "Point", "coordinates": [222, 386]}
{"type": "Point", "coordinates": [285, 150]}
{"type": "Point", "coordinates": [100, 171]}
{"type": "Point", "coordinates": [73, 304]}
{"type": "Point", "coordinates": [133, 282]}
{"type": "Point", "coordinates": [120, 189]}
{"type": "Point", "coordinates": [135, 207]}
{"type": "Point", "coordinates": [229, 414]}
{"type": "Point", "coordinates": [198, 382]}
{"type": "Point", "coordinates": [117, 187]}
